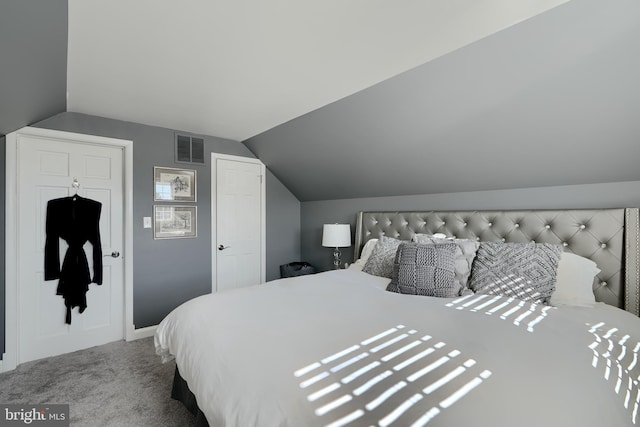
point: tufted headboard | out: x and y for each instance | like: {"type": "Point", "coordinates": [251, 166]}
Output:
{"type": "Point", "coordinates": [609, 237]}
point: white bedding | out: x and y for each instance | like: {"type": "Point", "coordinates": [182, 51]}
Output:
{"type": "Point", "coordinates": [306, 351]}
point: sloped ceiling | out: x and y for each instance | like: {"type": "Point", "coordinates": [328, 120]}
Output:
{"type": "Point", "coordinates": [237, 68]}
{"type": "Point", "coordinates": [376, 98]}
{"type": "Point", "coordinates": [552, 101]}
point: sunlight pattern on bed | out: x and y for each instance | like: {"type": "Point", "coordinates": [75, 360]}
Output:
{"type": "Point", "coordinates": [395, 376]}
{"type": "Point", "coordinates": [618, 358]}
{"type": "Point", "coordinates": [505, 308]}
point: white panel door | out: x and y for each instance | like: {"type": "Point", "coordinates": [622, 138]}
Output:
{"type": "Point", "coordinates": [239, 223]}
{"type": "Point", "coordinates": [47, 168]}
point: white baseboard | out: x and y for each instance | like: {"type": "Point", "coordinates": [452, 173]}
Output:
{"type": "Point", "coordinates": [149, 331]}
{"type": "Point", "coordinates": [7, 363]}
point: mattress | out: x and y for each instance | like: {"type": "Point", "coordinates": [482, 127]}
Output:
{"type": "Point", "coordinates": [336, 348]}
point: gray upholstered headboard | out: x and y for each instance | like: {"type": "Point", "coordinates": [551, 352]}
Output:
{"type": "Point", "coordinates": [610, 237]}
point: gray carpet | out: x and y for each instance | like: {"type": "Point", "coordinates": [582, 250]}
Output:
{"type": "Point", "coordinates": [117, 384]}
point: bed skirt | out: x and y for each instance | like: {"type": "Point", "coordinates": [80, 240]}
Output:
{"type": "Point", "coordinates": [180, 391]}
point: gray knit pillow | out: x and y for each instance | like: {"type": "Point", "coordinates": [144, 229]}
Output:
{"type": "Point", "coordinates": [465, 254]}
{"type": "Point", "coordinates": [426, 270]}
{"type": "Point", "coordinates": [380, 263]}
{"type": "Point", "coordinates": [526, 271]}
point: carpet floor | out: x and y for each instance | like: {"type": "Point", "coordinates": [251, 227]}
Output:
{"type": "Point", "coordinates": [117, 384]}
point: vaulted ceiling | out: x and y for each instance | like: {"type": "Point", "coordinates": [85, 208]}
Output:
{"type": "Point", "coordinates": [551, 101]}
{"type": "Point", "coordinates": [374, 98]}
{"type": "Point", "coordinates": [236, 68]}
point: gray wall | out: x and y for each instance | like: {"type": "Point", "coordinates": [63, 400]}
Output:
{"type": "Point", "coordinates": [2, 238]}
{"type": "Point", "coordinates": [558, 92]}
{"type": "Point", "coordinates": [314, 214]}
{"type": "Point", "coordinates": [33, 61]}
{"type": "Point", "coordinates": [283, 226]}
{"type": "Point", "coordinates": [163, 280]}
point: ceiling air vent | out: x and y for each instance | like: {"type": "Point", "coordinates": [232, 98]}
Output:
{"type": "Point", "coordinates": [189, 149]}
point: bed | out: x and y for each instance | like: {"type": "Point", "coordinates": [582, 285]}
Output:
{"type": "Point", "coordinates": [337, 348]}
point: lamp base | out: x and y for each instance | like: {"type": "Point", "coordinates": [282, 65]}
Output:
{"type": "Point", "coordinates": [336, 259]}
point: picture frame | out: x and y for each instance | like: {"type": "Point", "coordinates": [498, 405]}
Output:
{"type": "Point", "coordinates": [175, 222]}
{"type": "Point", "coordinates": [174, 185]}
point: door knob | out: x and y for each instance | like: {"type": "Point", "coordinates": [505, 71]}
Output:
{"type": "Point", "coordinates": [114, 254]}
{"type": "Point", "coordinates": [222, 247]}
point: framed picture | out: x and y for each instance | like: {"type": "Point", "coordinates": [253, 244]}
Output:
{"type": "Point", "coordinates": [174, 185]}
{"type": "Point", "coordinates": [174, 222]}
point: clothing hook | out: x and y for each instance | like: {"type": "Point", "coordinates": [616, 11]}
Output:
{"type": "Point", "coordinates": [75, 184]}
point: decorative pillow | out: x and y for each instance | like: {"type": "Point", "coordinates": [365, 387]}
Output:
{"type": "Point", "coordinates": [526, 271]}
{"type": "Point", "coordinates": [465, 254]}
{"type": "Point", "coordinates": [365, 253]}
{"type": "Point", "coordinates": [380, 263]}
{"type": "Point", "coordinates": [426, 270]}
{"type": "Point", "coordinates": [574, 281]}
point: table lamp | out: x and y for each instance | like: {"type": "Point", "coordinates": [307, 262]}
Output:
{"type": "Point", "coordinates": [336, 236]}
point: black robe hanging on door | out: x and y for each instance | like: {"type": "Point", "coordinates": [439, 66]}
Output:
{"type": "Point", "coordinates": [76, 220]}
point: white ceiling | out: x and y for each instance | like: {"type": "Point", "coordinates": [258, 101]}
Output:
{"type": "Point", "coordinates": [237, 68]}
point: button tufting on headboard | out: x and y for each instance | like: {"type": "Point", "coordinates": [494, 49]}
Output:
{"type": "Point", "coordinates": [598, 234]}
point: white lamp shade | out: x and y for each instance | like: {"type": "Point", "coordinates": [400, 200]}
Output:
{"type": "Point", "coordinates": [336, 235]}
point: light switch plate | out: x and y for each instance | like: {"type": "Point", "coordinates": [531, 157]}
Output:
{"type": "Point", "coordinates": [146, 221]}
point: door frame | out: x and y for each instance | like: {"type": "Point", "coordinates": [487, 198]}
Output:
{"type": "Point", "coordinates": [12, 319]}
{"type": "Point", "coordinates": [263, 213]}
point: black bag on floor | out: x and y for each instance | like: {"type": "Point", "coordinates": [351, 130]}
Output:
{"type": "Point", "coordinates": [296, 269]}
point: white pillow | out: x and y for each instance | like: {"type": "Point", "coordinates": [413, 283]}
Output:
{"type": "Point", "coordinates": [574, 281]}
{"type": "Point", "coordinates": [364, 254]}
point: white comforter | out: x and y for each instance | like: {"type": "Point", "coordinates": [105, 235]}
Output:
{"type": "Point", "coordinates": [337, 349]}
